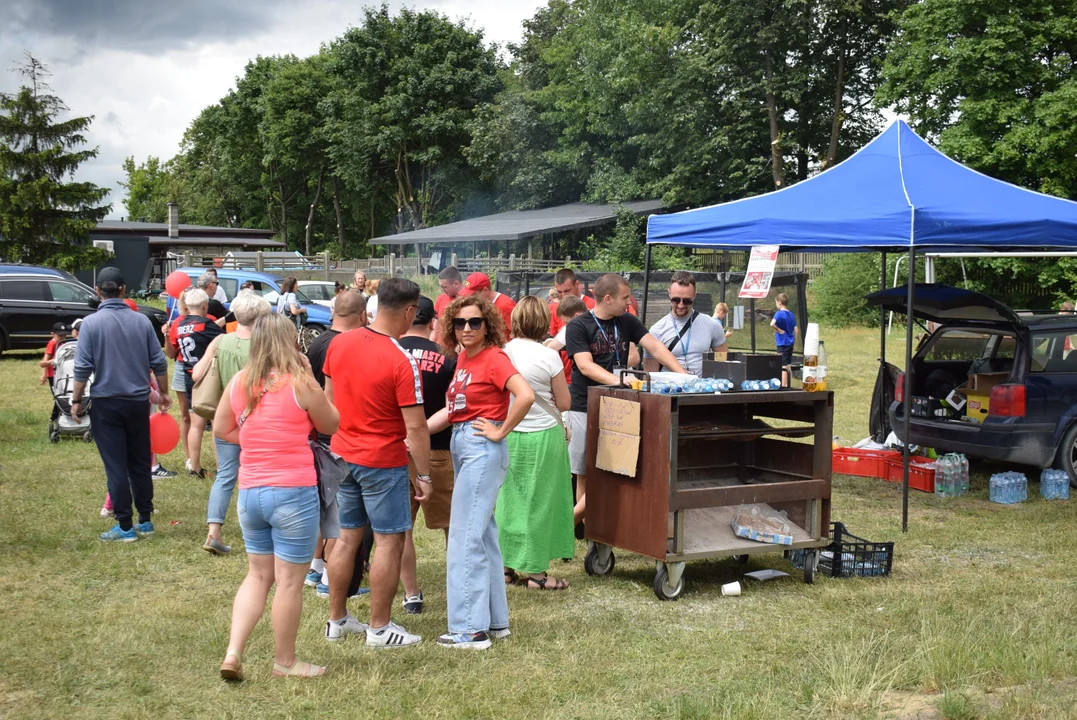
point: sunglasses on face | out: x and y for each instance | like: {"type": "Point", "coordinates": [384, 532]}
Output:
{"type": "Point", "coordinates": [682, 301]}
{"type": "Point", "coordinates": [474, 323]}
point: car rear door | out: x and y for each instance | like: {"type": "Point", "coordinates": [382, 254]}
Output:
{"type": "Point", "coordinates": [70, 301]}
{"type": "Point", "coordinates": [26, 310]}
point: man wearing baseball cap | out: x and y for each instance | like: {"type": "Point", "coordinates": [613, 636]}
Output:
{"type": "Point", "coordinates": [119, 348]}
{"type": "Point", "coordinates": [478, 284]}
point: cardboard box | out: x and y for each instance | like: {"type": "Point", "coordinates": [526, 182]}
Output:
{"type": "Point", "coordinates": [981, 383]}
{"type": "Point", "coordinates": [978, 406]}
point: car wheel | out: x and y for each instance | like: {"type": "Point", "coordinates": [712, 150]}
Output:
{"type": "Point", "coordinates": [308, 334]}
{"type": "Point", "coordinates": [1067, 454]}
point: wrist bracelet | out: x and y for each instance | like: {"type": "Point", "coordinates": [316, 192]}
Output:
{"type": "Point", "coordinates": [423, 478]}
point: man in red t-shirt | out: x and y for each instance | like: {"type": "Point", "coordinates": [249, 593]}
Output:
{"type": "Point", "coordinates": [377, 387]}
{"type": "Point", "coordinates": [451, 284]}
{"type": "Point", "coordinates": [567, 284]}
{"type": "Point", "coordinates": [479, 284]}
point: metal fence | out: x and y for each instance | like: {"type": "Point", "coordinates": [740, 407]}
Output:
{"type": "Point", "coordinates": [736, 261]}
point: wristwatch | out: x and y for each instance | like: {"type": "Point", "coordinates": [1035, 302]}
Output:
{"type": "Point", "coordinates": [423, 478]}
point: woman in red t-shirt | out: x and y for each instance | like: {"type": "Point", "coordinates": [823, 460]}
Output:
{"type": "Point", "coordinates": [482, 417]}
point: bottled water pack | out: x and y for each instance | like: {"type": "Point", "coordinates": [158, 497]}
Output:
{"type": "Point", "coordinates": [772, 384]}
{"type": "Point", "coordinates": [951, 475]}
{"type": "Point", "coordinates": [1054, 485]}
{"type": "Point", "coordinates": [1008, 488]}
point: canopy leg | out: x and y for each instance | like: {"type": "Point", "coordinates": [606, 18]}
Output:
{"type": "Point", "coordinates": [751, 309]}
{"type": "Point", "coordinates": [646, 287]}
{"type": "Point", "coordinates": [909, 325]}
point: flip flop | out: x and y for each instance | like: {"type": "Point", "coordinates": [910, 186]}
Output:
{"type": "Point", "coordinates": [299, 669]}
{"type": "Point", "coordinates": [561, 583]}
{"type": "Point", "coordinates": [232, 668]}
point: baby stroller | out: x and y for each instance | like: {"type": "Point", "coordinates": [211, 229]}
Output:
{"type": "Point", "coordinates": [63, 385]}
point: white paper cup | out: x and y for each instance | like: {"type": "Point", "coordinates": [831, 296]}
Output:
{"type": "Point", "coordinates": [732, 588]}
{"type": "Point", "coordinates": [811, 340]}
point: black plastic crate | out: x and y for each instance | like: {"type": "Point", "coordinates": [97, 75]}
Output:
{"type": "Point", "coordinates": [848, 555]}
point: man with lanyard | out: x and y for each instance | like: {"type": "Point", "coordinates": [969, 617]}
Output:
{"type": "Point", "coordinates": [598, 343]}
{"type": "Point", "coordinates": [687, 333]}
{"type": "Point", "coordinates": [479, 284]}
{"type": "Point", "coordinates": [567, 285]}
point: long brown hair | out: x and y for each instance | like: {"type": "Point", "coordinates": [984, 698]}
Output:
{"type": "Point", "coordinates": [273, 352]}
{"type": "Point", "coordinates": [495, 326]}
{"type": "Point", "coordinates": [531, 319]}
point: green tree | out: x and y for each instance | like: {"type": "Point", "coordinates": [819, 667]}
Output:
{"type": "Point", "coordinates": [44, 216]}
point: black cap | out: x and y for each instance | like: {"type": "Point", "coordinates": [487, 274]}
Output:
{"type": "Point", "coordinates": [61, 328]}
{"type": "Point", "coordinates": [425, 313]}
{"type": "Point", "coordinates": [109, 275]}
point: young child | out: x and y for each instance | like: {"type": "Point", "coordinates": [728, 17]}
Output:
{"type": "Point", "coordinates": [721, 312]}
{"type": "Point", "coordinates": [48, 369]}
{"type": "Point", "coordinates": [567, 309]}
{"type": "Point", "coordinates": [785, 335]}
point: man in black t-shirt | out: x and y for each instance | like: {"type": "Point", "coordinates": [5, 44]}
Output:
{"type": "Point", "coordinates": [599, 343]}
{"type": "Point", "coordinates": [437, 372]}
{"type": "Point", "coordinates": [349, 314]}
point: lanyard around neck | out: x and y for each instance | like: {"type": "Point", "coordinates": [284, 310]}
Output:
{"type": "Point", "coordinates": [616, 337]}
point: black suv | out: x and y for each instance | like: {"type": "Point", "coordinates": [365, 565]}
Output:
{"type": "Point", "coordinates": [33, 298]}
{"type": "Point", "coordinates": [1016, 373]}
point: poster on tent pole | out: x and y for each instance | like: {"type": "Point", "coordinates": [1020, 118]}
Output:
{"type": "Point", "coordinates": [760, 272]}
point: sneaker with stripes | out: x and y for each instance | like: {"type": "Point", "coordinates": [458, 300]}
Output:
{"type": "Point", "coordinates": [336, 630]}
{"type": "Point", "coordinates": [390, 636]}
{"type": "Point", "coordinates": [465, 641]}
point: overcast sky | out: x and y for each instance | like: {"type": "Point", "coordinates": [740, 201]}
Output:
{"type": "Point", "coordinates": [146, 69]}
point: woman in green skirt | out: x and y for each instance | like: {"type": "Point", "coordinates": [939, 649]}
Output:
{"type": "Point", "coordinates": [534, 507]}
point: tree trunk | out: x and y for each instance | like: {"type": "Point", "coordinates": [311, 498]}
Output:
{"type": "Point", "coordinates": [839, 111]}
{"type": "Point", "coordinates": [776, 165]}
{"type": "Point", "coordinates": [340, 218]}
{"type": "Point", "coordinates": [283, 216]}
{"type": "Point", "coordinates": [313, 207]}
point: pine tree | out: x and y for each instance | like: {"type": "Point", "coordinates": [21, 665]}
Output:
{"type": "Point", "coordinates": [43, 219]}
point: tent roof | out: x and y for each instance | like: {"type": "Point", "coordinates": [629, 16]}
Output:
{"type": "Point", "coordinates": [520, 224]}
{"type": "Point", "coordinates": [895, 191]}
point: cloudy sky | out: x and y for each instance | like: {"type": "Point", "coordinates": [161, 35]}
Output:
{"type": "Point", "coordinates": [146, 68]}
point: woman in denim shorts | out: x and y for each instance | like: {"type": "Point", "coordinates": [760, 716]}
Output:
{"type": "Point", "coordinates": [269, 409]}
{"type": "Point", "coordinates": [478, 408]}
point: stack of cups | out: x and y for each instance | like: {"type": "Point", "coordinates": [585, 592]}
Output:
{"type": "Point", "coordinates": [811, 340]}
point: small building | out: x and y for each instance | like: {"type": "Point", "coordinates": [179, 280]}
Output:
{"type": "Point", "coordinates": [147, 252]}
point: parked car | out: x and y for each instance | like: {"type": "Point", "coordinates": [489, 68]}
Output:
{"type": "Point", "coordinates": [1017, 374]}
{"type": "Point", "coordinates": [33, 298]}
{"type": "Point", "coordinates": [318, 318]}
{"type": "Point", "coordinates": [320, 291]}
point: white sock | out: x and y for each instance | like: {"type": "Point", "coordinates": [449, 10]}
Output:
{"type": "Point", "coordinates": [317, 565]}
{"type": "Point", "coordinates": [325, 577]}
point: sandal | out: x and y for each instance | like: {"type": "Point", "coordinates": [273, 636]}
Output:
{"type": "Point", "coordinates": [232, 667]}
{"type": "Point", "coordinates": [511, 577]}
{"type": "Point", "coordinates": [298, 669]}
{"type": "Point", "coordinates": [541, 583]}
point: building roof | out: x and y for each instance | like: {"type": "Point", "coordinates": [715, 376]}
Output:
{"type": "Point", "coordinates": [520, 224]}
{"type": "Point", "coordinates": [222, 241]}
{"type": "Point", "coordinates": [148, 228]}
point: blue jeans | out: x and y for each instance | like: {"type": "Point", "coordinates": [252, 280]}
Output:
{"type": "Point", "coordinates": [281, 521]}
{"type": "Point", "coordinates": [379, 497]}
{"type": "Point", "coordinates": [475, 583]}
{"type": "Point", "coordinates": [225, 481]}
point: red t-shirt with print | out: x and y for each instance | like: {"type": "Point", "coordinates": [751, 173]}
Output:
{"type": "Point", "coordinates": [478, 388]}
{"type": "Point", "coordinates": [373, 377]}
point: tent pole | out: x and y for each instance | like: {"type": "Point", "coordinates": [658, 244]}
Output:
{"type": "Point", "coordinates": [751, 310]}
{"type": "Point", "coordinates": [646, 282]}
{"type": "Point", "coordinates": [908, 391]}
{"type": "Point", "coordinates": [882, 315]}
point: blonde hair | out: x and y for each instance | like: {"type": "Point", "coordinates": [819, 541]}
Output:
{"type": "Point", "coordinates": [372, 286]}
{"type": "Point", "coordinates": [249, 306]}
{"type": "Point", "coordinates": [273, 355]}
{"type": "Point", "coordinates": [721, 308]}
{"type": "Point", "coordinates": [197, 298]}
{"type": "Point", "coordinates": [530, 319]}
{"type": "Point", "coordinates": [181, 302]}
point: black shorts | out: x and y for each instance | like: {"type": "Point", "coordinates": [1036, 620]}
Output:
{"type": "Point", "coordinates": [188, 385]}
{"type": "Point", "coordinates": [786, 351]}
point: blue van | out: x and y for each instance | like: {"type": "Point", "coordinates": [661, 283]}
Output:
{"type": "Point", "coordinates": [318, 318]}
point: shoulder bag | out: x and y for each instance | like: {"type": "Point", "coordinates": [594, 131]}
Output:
{"type": "Point", "coordinates": [206, 393]}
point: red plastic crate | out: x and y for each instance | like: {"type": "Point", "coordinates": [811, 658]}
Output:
{"type": "Point", "coordinates": [920, 478]}
{"type": "Point", "coordinates": [863, 462]}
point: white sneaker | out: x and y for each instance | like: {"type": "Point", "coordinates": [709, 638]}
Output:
{"type": "Point", "coordinates": [499, 634]}
{"type": "Point", "coordinates": [390, 636]}
{"type": "Point", "coordinates": [336, 631]}
{"type": "Point", "coordinates": [106, 513]}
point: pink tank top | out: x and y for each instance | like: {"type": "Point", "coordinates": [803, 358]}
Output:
{"type": "Point", "coordinates": [273, 448]}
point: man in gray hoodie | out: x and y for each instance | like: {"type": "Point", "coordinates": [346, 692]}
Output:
{"type": "Point", "coordinates": [120, 349]}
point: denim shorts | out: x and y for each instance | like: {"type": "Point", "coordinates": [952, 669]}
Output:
{"type": "Point", "coordinates": [379, 497]}
{"type": "Point", "coordinates": [280, 521]}
{"type": "Point", "coordinates": [177, 376]}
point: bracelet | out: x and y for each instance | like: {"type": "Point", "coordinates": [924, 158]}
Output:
{"type": "Point", "coordinates": [423, 478]}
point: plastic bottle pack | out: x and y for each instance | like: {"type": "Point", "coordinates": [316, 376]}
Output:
{"type": "Point", "coordinates": [1008, 488]}
{"type": "Point", "coordinates": [756, 385]}
{"type": "Point", "coordinates": [951, 475]}
{"type": "Point", "coordinates": [1054, 485]}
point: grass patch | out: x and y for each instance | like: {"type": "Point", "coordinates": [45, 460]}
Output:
{"type": "Point", "coordinates": [975, 617]}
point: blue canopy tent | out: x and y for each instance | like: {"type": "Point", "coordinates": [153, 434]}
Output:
{"type": "Point", "coordinates": [896, 194]}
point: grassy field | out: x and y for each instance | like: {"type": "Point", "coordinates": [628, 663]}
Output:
{"type": "Point", "coordinates": [974, 621]}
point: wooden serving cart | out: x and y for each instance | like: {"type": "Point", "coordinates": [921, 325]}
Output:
{"type": "Point", "coordinates": [700, 456]}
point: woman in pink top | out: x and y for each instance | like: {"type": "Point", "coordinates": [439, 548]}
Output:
{"type": "Point", "coordinates": [269, 410]}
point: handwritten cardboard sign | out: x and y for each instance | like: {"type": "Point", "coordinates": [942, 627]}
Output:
{"type": "Point", "coordinates": [618, 436]}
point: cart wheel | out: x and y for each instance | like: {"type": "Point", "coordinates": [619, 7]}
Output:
{"type": "Point", "coordinates": [87, 437]}
{"type": "Point", "coordinates": [54, 436]}
{"type": "Point", "coordinates": [809, 566]}
{"type": "Point", "coordinates": [593, 565]}
{"type": "Point", "coordinates": [742, 559]}
{"type": "Point", "coordinates": [662, 588]}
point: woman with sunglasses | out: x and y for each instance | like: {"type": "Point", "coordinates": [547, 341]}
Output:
{"type": "Point", "coordinates": [687, 333]}
{"type": "Point", "coordinates": [479, 409]}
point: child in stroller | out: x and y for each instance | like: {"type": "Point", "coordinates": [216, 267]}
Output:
{"type": "Point", "coordinates": [63, 384]}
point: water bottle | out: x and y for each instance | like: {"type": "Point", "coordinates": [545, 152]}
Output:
{"type": "Point", "coordinates": [942, 477]}
{"type": "Point", "coordinates": [963, 474]}
{"type": "Point", "coordinates": [1021, 484]}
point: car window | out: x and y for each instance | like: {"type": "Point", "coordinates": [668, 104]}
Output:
{"type": "Point", "coordinates": [301, 297]}
{"type": "Point", "coordinates": [951, 345]}
{"type": "Point", "coordinates": [229, 286]}
{"type": "Point", "coordinates": [23, 290]}
{"type": "Point", "coordinates": [66, 292]}
{"type": "Point", "coordinates": [1053, 351]}
{"type": "Point", "coordinates": [316, 292]}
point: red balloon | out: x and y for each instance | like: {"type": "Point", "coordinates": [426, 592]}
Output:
{"type": "Point", "coordinates": [176, 283]}
{"type": "Point", "coordinates": [164, 433]}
